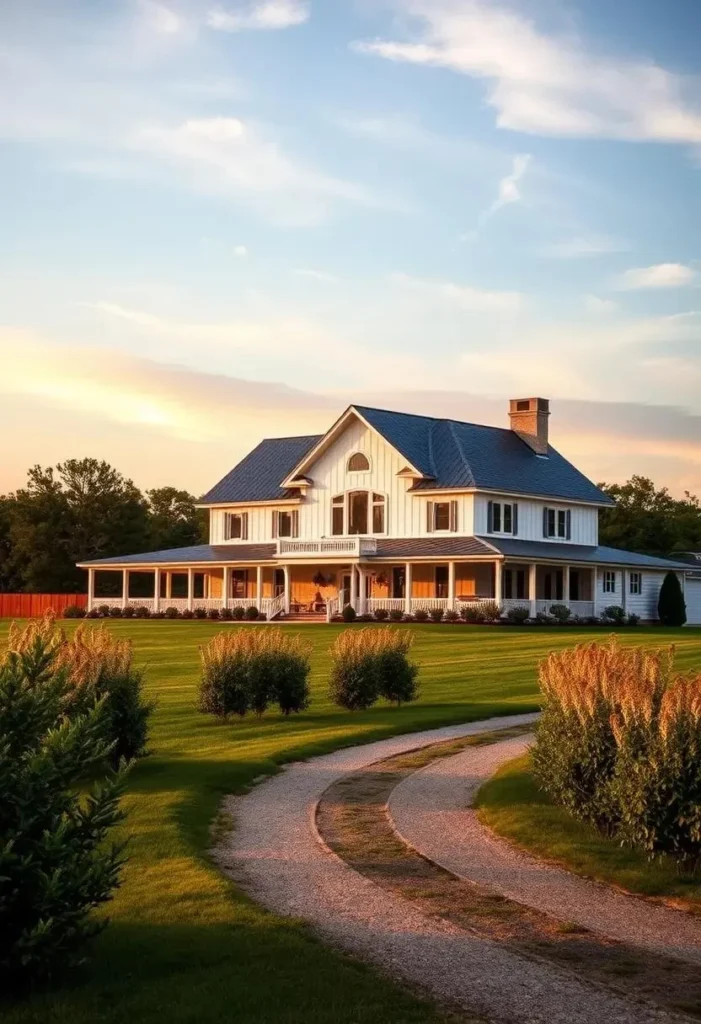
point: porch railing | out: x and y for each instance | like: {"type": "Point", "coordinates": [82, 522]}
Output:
{"type": "Point", "coordinates": [273, 606]}
{"type": "Point", "coordinates": [348, 546]}
{"type": "Point", "coordinates": [390, 604]}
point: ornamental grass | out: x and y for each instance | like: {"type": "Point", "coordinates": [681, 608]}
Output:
{"type": "Point", "coordinates": [371, 663]}
{"type": "Point", "coordinates": [247, 669]}
{"type": "Point", "coordinates": [619, 746]}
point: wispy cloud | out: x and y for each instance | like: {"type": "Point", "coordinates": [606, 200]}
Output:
{"type": "Point", "coordinates": [316, 275]}
{"type": "Point", "coordinates": [240, 251]}
{"type": "Point", "coordinates": [598, 306]}
{"type": "Point", "coordinates": [544, 83]}
{"type": "Point", "coordinates": [662, 275]}
{"type": "Point", "coordinates": [508, 192]}
{"type": "Point", "coordinates": [261, 15]}
{"type": "Point", "coordinates": [460, 296]}
{"type": "Point", "coordinates": [584, 246]}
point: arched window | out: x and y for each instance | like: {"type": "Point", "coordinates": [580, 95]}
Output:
{"type": "Point", "coordinates": [358, 463]}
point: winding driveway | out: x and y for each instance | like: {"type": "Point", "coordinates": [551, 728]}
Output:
{"type": "Point", "coordinates": [276, 854]}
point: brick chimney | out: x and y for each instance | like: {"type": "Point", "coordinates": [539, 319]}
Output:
{"type": "Point", "coordinates": [529, 419]}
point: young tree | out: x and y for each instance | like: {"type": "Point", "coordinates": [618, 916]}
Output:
{"type": "Point", "coordinates": [174, 520]}
{"type": "Point", "coordinates": [671, 606]}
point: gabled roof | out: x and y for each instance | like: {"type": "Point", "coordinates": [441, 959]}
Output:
{"type": "Point", "coordinates": [601, 555]}
{"type": "Point", "coordinates": [258, 477]}
{"type": "Point", "coordinates": [452, 454]}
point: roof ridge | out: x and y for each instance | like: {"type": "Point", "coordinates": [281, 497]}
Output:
{"type": "Point", "coordinates": [434, 419]}
{"type": "Point", "coordinates": [292, 437]}
{"type": "Point", "coordinates": [458, 445]}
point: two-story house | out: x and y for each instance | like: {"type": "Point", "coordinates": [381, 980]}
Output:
{"type": "Point", "coordinates": [397, 511]}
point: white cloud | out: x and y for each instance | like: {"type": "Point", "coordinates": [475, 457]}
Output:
{"type": "Point", "coordinates": [545, 83]}
{"type": "Point", "coordinates": [265, 14]}
{"type": "Point", "coordinates": [316, 275]}
{"type": "Point", "coordinates": [508, 192]}
{"type": "Point", "coordinates": [595, 304]}
{"type": "Point", "coordinates": [460, 296]}
{"type": "Point", "coordinates": [662, 275]}
{"type": "Point", "coordinates": [582, 246]}
{"type": "Point", "coordinates": [158, 18]}
{"type": "Point", "coordinates": [240, 251]}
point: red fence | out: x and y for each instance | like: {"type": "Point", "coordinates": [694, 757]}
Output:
{"type": "Point", "coordinates": [27, 606]}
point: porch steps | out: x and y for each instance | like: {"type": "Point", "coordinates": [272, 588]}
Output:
{"type": "Point", "coordinates": [301, 617]}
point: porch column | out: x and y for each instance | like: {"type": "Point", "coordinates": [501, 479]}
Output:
{"type": "Point", "coordinates": [225, 587]}
{"type": "Point", "coordinates": [125, 587]}
{"type": "Point", "coordinates": [624, 588]}
{"type": "Point", "coordinates": [169, 585]}
{"type": "Point", "coordinates": [354, 588]}
{"type": "Point", "coordinates": [190, 588]}
{"type": "Point", "coordinates": [532, 588]}
{"type": "Point", "coordinates": [259, 586]}
{"type": "Point", "coordinates": [407, 588]}
{"type": "Point", "coordinates": [286, 571]}
{"type": "Point", "coordinates": [451, 584]}
{"type": "Point", "coordinates": [156, 590]}
{"type": "Point", "coordinates": [91, 588]}
{"type": "Point", "coordinates": [566, 584]}
{"type": "Point", "coordinates": [361, 591]}
{"type": "Point", "coordinates": [498, 582]}
{"type": "Point", "coordinates": [595, 588]}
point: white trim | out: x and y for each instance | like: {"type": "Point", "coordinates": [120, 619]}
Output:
{"type": "Point", "coordinates": [243, 505]}
{"type": "Point", "coordinates": [508, 495]}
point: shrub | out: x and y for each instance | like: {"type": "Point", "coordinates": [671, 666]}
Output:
{"type": "Point", "coordinates": [354, 682]}
{"type": "Point", "coordinates": [491, 611]}
{"type": "Point", "coordinates": [619, 745]}
{"type": "Point", "coordinates": [452, 616]}
{"type": "Point", "coordinates": [173, 613]}
{"type": "Point", "coordinates": [213, 614]}
{"type": "Point", "coordinates": [200, 613]}
{"type": "Point", "coordinates": [671, 606]}
{"type": "Point", "coordinates": [73, 611]}
{"type": "Point", "coordinates": [408, 618]}
{"type": "Point", "coordinates": [141, 612]}
{"type": "Point", "coordinates": [158, 615]}
{"type": "Point", "coordinates": [519, 614]}
{"type": "Point", "coordinates": [436, 614]}
{"type": "Point", "coordinates": [396, 615]}
{"type": "Point", "coordinates": [420, 615]}
{"type": "Point", "coordinates": [561, 613]}
{"type": "Point", "coordinates": [615, 614]}
{"type": "Point", "coordinates": [381, 614]}
{"type": "Point", "coordinates": [632, 619]}
{"type": "Point", "coordinates": [238, 613]}
{"type": "Point", "coordinates": [543, 619]}
{"type": "Point", "coordinates": [366, 617]}
{"type": "Point", "coordinates": [226, 615]}
{"type": "Point", "coordinates": [593, 620]}
{"type": "Point", "coordinates": [128, 612]}
{"type": "Point", "coordinates": [472, 613]}
{"type": "Point", "coordinates": [55, 862]}
{"type": "Point", "coordinates": [348, 614]}
{"type": "Point", "coordinates": [93, 614]}
{"type": "Point", "coordinates": [397, 676]}
{"type": "Point", "coordinates": [104, 609]}
{"type": "Point", "coordinates": [251, 613]}
{"type": "Point", "coordinates": [246, 669]}
{"type": "Point", "coordinates": [115, 612]}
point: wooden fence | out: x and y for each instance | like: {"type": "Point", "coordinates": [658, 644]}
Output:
{"type": "Point", "coordinates": [28, 606]}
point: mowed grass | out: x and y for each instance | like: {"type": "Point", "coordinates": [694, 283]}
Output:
{"type": "Point", "coordinates": [184, 945]}
{"type": "Point", "coordinates": [513, 806]}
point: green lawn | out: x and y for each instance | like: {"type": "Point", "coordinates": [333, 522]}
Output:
{"type": "Point", "coordinates": [512, 804]}
{"type": "Point", "coordinates": [183, 944]}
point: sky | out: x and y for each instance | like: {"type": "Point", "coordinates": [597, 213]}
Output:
{"type": "Point", "coordinates": [221, 221]}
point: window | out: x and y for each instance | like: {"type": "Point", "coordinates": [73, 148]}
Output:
{"type": "Point", "coordinates": [609, 582]}
{"type": "Point", "coordinates": [502, 517]}
{"type": "Point", "coordinates": [239, 583]}
{"type": "Point", "coordinates": [557, 522]}
{"type": "Point", "coordinates": [441, 515]}
{"type": "Point", "coordinates": [515, 584]}
{"type": "Point", "coordinates": [337, 503]}
{"type": "Point", "coordinates": [236, 526]}
{"type": "Point", "coordinates": [285, 524]}
{"type": "Point", "coordinates": [636, 583]}
{"type": "Point", "coordinates": [378, 513]}
{"type": "Point", "coordinates": [398, 582]}
{"type": "Point", "coordinates": [441, 581]}
{"type": "Point", "coordinates": [279, 582]}
{"type": "Point", "coordinates": [358, 463]}
{"type": "Point", "coordinates": [358, 512]}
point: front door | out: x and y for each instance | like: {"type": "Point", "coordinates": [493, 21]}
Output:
{"type": "Point", "coordinates": [279, 582]}
{"type": "Point", "coordinates": [398, 582]}
{"type": "Point", "coordinates": [346, 586]}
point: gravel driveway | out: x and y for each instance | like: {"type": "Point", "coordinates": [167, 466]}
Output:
{"type": "Point", "coordinates": [275, 852]}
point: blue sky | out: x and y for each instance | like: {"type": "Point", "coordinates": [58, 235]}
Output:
{"type": "Point", "coordinates": [226, 220]}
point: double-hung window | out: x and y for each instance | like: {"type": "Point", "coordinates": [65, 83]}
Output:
{"type": "Point", "coordinates": [635, 583]}
{"type": "Point", "coordinates": [442, 516]}
{"type": "Point", "coordinates": [557, 522]}
{"type": "Point", "coordinates": [609, 582]}
{"type": "Point", "coordinates": [502, 517]}
{"type": "Point", "coordinates": [285, 523]}
{"type": "Point", "coordinates": [236, 526]}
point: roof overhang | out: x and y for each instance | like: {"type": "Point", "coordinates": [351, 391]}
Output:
{"type": "Point", "coordinates": [446, 491]}
{"type": "Point", "coordinates": [332, 435]}
{"type": "Point", "coordinates": [273, 502]}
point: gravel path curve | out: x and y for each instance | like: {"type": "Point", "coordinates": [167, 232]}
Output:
{"type": "Point", "coordinates": [431, 811]}
{"type": "Point", "coordinates": [276, 854]}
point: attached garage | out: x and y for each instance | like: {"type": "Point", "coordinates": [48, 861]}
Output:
{"type": "Point", "coordinates": [692, 594]}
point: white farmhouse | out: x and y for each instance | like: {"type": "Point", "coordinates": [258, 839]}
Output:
{"type": "Point", "coordinates": [397, 511]}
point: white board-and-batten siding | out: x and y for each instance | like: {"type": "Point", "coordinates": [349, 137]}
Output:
{"type": "Point", "coordinates": [584, 521]}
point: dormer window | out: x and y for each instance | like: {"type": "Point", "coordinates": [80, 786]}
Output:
{"type": "Point", "coordinates": [358, 463]}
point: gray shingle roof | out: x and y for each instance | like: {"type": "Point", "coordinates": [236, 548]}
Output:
{"type": "Point", "coordinates": [439, 547]}
{"type": "Point", "coordinates": [455, 454]}
{"type": "Point", "coordinates": [259, 475]}
{"type": "Point", "coordinates": [196, 553]}
{"type": "Point", "coordinates": [580, 553]}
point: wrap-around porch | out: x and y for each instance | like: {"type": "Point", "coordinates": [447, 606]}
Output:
{"type": "Point", "coordinates": [326, 588]}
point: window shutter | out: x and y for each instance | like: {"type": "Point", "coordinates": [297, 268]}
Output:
{"type": "Point", "coordinates": [568, 524]}
{"type": "Point", "coordinates": [295, 523]}
{"type": "Point", "coordinates": [227, 526]}
{"type": "Point", "coordinates": [276, 522]}
{"type": "Point", "coordinates": [490, 517]}
{"type": "Point", "coordinates": [514, 519]}
{"type": "Point", "coordinates": [429, 517]}
{"type": "Point", "coordinates": [454, 516]}
{"type": "Point", "coordinates": [545, 522]}
{"type": "Point", "coordinates": [244, 526]}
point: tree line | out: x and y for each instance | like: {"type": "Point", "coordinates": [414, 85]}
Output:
{"type": "Point", "coordinates": [85, 509]}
